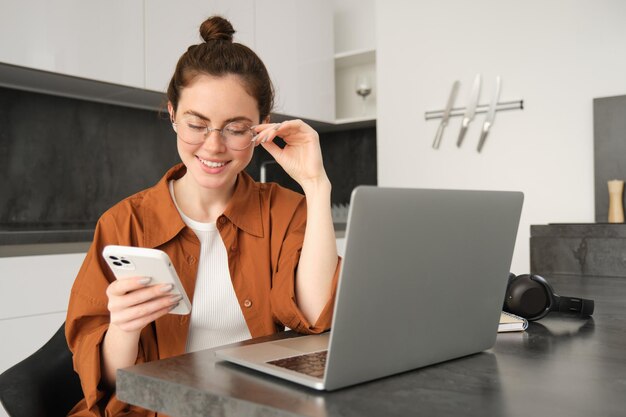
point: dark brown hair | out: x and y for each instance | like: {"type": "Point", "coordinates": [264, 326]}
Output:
{"type": "Point", "coordinates": [218, 56]}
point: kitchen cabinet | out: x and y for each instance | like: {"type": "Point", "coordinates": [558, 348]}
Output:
{"type": "Point", "coordinates": [172, 27]}
{"type": "Point", "coordinates": [34, 294]}
{"type": "Point", "coordinates": [295, 40]}
{"type": "Point", "coordinates": [95, 40]}
{"type": "Point", "coordinates": [579, 249]}
{"type": "Point", "coordinates": [98, 48]}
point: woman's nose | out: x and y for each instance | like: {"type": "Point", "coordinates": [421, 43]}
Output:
{"type": "Point", "coordinates": [214, 142]}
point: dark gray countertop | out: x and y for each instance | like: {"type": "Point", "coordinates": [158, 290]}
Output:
{"type": "Point", "coordinates": [43, 249]}
{"type": "Point", "coordinates": [24, 237]}
{"type": "Point", "coordinates": [44, 241]}
{"type": "Point", "coordinates": [340, 230]}
{"type": "Point", "coordinates": [608, 230]}
{"type": "Point", "coordinates": [561, 366]}
{"type": "Point", "coordinates": [49, 242]}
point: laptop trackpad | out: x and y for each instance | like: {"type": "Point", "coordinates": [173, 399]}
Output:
{"type": "Point", "coordinates": [305, 344]}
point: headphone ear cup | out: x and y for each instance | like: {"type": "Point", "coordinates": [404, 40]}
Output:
{"type": "Point", "coordinates": [512, 277]}
{"type": "Point", "coordinates": [527, 298]}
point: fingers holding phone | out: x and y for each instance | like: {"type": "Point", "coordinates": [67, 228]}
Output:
{"type": "Point", "coordinates": [135, 302]}
{"type": "Point", "coordinates": [146, 288]}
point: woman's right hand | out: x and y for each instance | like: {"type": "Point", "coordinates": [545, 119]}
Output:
{"type": "Point", "coordinates": [134, 303]}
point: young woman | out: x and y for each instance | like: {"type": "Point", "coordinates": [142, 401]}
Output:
{"type": "Point", "coordinates": [253, 257]}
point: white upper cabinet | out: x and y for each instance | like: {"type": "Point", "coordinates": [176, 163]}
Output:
{"type": "Point", "coordinates": [137, 43]}
{"type": "Point", "coordinates": [295, 40]}
{"type": "Point", "coordinates": [354, 22]}
{"type": "Point", "coordinates": [171, 27]}
{"type": "Point", "coordinates": [95, 40]}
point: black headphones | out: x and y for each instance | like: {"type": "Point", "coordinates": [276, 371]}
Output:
{"type": "Point", "coordinates": [531, 297]}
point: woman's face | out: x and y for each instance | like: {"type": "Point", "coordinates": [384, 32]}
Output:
{"type": "Point", "coordinates": [214, 102]}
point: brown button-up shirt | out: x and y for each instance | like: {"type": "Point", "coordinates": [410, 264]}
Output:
{"type": "Point", "coordinates": [262, 228]}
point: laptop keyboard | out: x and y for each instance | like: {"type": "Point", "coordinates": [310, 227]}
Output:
{"type": "Point", "coordinates": [312, 364]}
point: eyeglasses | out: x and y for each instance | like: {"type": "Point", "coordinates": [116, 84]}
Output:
{"type": "Point", "coordinates": [236, 135]}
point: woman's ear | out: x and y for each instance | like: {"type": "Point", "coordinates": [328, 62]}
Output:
{"type": "Point", "coordinates": [170, 110]}
{"type": "Point", "coordinates": [267, 120]}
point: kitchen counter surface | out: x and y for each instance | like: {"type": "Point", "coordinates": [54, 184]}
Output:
{"type": "Point", "coordinates": [35, 249]}
{"type": "Point", "coordinates": [53, 242]}
{"type": "Point", "coordinates": [561, 366]}
{"type": "Point", "coordinates": [27, 237]}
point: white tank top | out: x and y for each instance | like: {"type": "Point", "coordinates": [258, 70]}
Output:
{"type": "Point", "coordinates": [216, 317]}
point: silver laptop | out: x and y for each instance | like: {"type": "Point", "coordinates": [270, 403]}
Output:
{"type": "Point", "coordinates": [423, 281]}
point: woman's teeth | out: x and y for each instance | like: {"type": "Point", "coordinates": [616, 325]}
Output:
{"type": "Point", "coordinates": [211, 164]}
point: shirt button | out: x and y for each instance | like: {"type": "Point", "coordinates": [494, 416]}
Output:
{"type": "Point", "coordinates": [191, 260]}
{"type": "Point", "coordinates": [233, 248]}
{"type": "Point", "coordinates": [247, 303]}
{"type": "Point", "coordinates": [222, 220]}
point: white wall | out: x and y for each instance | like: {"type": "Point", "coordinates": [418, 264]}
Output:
{"type": "Point", "coordinates": [556, 55]}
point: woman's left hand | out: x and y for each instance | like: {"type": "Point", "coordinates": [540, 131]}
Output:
{"type": "Point", "coordinates": [301, 157]}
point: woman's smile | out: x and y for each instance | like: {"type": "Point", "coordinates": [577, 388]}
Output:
{"type": "Point", "coordinates": [212, 164]}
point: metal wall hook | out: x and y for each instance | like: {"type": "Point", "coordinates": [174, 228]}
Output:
{"type": "Point", "coordinates": [482, 108]}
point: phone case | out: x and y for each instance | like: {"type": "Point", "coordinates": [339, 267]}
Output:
{"type": "Point", "coordinates": [128, 261]}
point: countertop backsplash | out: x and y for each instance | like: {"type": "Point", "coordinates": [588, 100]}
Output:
{"type": "Point", "coordinates": [349, 160]}
{"type": "Point", "coordinates": [340, 213]}
{"type": "Point", "coordinates": [67, 160]}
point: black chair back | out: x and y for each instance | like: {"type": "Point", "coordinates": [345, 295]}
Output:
{"type": "Point", "coordinates": [44, 384]}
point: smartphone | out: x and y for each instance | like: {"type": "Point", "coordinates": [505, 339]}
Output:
{"type": "Point", "coordinates": [129, 261]}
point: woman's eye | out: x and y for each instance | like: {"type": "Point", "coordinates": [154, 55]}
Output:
{"type": "Point", "coordinates": [238, 130]}
{"type": "Point", "coordinates": [197, 128]}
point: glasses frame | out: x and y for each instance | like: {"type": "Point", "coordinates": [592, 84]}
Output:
{"type": "Point", "coordinates": [209, 130]}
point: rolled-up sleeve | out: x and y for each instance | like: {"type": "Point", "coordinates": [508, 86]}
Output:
{"type": "Point", "coordinates": [282, 295]}
{"type": "Point", "coordinates": [88, 317]}
{"type": "Point", "coordinates": [87, 322]}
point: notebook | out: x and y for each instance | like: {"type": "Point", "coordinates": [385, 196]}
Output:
{"type": "Point", "coordinates": [422, 281]}
{"type": "Point", "coordinates": [511, 323]}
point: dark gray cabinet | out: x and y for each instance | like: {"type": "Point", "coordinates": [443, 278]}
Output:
{"type": "Point", "coordinates": [578, 249]}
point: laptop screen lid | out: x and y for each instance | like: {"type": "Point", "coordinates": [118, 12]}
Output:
{"type": "Point", "coordinates": [422, 281]}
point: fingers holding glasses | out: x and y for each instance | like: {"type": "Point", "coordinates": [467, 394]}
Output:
{"type": "Point", "coordinates": [265, 132]}
{"type": "Point", "coordinates": [301, 156]}
{"type": "Point", "coordinates": [291, 131]}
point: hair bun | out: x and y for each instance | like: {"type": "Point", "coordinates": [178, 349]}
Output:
{"type": "Point", "coordinates": [216, 28]}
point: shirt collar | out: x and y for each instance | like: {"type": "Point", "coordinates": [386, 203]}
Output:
{"type": "Point", "coordinates": [163, 221]}
{"type": "Point", "coordinates": [244, 208]}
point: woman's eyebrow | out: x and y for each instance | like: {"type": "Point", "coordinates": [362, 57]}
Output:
{"type": "Point", "coordinates": [238, 119]}
{"type": "Point", "coordinates": [205, 118]}
{"type": "Point", "coordinates": [196, 114]}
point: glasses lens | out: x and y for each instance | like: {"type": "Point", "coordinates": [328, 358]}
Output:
{"type": "Point", "coordinates": [238, 135]}
{"type": "Point", "coordinates": [192, 131]}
